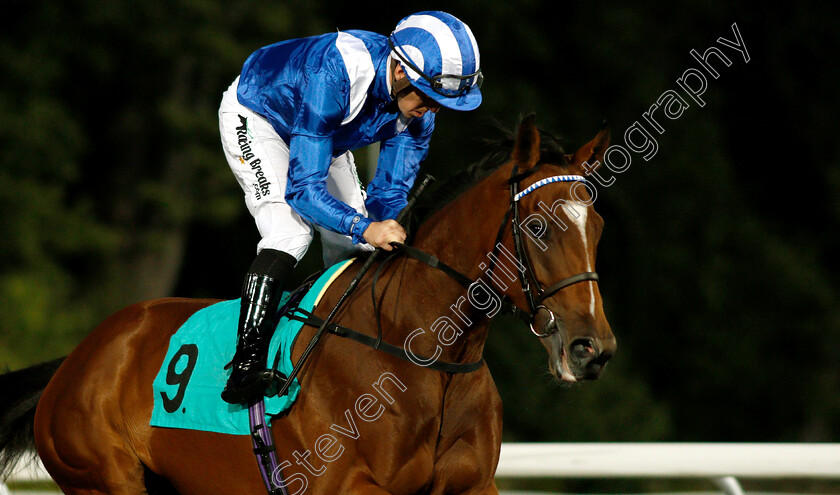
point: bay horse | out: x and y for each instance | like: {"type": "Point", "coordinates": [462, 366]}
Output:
{"type": "Point", "coordinates": [366, 422]}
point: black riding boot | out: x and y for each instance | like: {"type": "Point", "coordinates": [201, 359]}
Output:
{"type": "Point", "coordinates": [261, 294]}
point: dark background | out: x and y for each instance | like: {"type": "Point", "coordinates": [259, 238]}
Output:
{"type": "Point", "coordinates": [718, 260]}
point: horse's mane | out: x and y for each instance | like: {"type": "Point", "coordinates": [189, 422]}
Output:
{"type": "Point", "coordinates": [499, 152]}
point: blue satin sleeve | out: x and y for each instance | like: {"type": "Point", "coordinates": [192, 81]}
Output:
{"type": "Point", "coordinates": [306, 189]}
{"type": "Point", "coordinates": [396, 170]}
{"type": "Point", "coordinates": [322, 107]}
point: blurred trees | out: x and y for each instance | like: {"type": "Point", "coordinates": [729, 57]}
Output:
{"type": "Point", "coordinates": [110, 152]}
{"type": "Point", "coordinates": [717, 261]}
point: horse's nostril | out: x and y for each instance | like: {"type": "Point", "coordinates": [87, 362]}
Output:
{"type": "Point", "coordinates": [582, 351]}
{"type": "Point", "coordinates": [588, 357]}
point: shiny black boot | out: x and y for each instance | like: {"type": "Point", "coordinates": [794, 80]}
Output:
{"type": "Point", "coordinates": [261, 294]}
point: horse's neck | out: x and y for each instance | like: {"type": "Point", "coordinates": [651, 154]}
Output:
{"type": "Point", "coordinates": [461, 235]}
{"type": "Point", "coordinates": [464, 232]}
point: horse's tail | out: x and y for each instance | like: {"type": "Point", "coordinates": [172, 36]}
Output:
{"type": "Point", "coordinates": [19, 394]}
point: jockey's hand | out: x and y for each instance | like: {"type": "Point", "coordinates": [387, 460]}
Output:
{"type": "Point", "coordinates": [382, 234]}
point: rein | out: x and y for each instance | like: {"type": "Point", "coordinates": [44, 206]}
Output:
{"type": "Point", "coordinates": [261, 437]}
{"type": "Point", "coordinates": [376, 343]}
{"type": "Point", "coordinates": [536, 295]}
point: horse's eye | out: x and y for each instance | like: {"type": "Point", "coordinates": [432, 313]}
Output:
{"type": "Point", "coordinates": [536, 228]}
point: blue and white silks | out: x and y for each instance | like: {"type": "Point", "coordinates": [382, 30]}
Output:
{"type": "Point", "coordinates": [328, 94]}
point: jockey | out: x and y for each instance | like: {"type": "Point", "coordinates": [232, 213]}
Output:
{"type": "Point", "coordinates": [288, 123]}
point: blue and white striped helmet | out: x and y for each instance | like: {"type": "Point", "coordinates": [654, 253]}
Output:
{"type": "Point", "coordinates": [440, 55]}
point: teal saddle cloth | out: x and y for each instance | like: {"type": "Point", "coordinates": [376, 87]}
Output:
{"type": "Point", "coordinates": [188, 386]}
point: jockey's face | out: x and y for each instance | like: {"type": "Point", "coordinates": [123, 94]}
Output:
{"type": "Point", "coordinates": [414, 103]}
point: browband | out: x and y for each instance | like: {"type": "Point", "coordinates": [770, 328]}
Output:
{"type": "Point", "coordinates": [548, 180]}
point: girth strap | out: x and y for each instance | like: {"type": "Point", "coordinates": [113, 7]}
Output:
{"type": "Point", "coordinates": [310, 319]}
{"type": "Point", "coordinates": [263, 443]}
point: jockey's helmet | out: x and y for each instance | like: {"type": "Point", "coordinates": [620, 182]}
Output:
{"type": "Point", "coordinates": [440, 56]}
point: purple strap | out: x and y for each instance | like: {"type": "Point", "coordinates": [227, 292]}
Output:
{"type": "Point", "coordinates": [264, 449]}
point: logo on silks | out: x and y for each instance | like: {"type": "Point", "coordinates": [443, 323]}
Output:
{"type": "Point", "coordinates": [261, 187]}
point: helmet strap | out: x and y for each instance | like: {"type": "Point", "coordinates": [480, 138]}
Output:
{"type": "Point", "coordinates": [398, 87]}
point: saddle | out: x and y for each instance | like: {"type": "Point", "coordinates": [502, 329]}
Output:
{"type": "Point", "coordinates": [189, 382]}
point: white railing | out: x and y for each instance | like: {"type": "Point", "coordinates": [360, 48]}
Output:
{"type": "Point", "coordinates": [723, 463]}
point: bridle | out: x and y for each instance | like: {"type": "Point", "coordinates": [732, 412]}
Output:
{"type": "Point", "coordinates": [535, 295]}
{"type": "Point", "coordinates": [534, 292]}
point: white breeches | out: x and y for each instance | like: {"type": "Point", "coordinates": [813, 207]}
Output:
{"type": "Point", "coordinates": [259, 159]}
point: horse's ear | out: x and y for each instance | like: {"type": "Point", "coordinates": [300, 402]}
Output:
{"type": "Point", "coordinates": [593, 151]}
{"type": "Point", "coordinates": [526, 151]}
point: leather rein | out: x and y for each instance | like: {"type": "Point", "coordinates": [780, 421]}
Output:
{"type": "Point", "coordinates": [533, 290]}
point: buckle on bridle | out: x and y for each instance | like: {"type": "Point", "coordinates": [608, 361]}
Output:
{"type": "Point", "coordinates": [552, 323]}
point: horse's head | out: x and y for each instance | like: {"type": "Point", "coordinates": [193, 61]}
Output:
{"type": "Point", "coordinates": [555, 232]}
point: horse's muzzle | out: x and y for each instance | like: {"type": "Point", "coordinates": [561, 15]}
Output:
{"type": "Point", "coordinates": [583, 358]}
